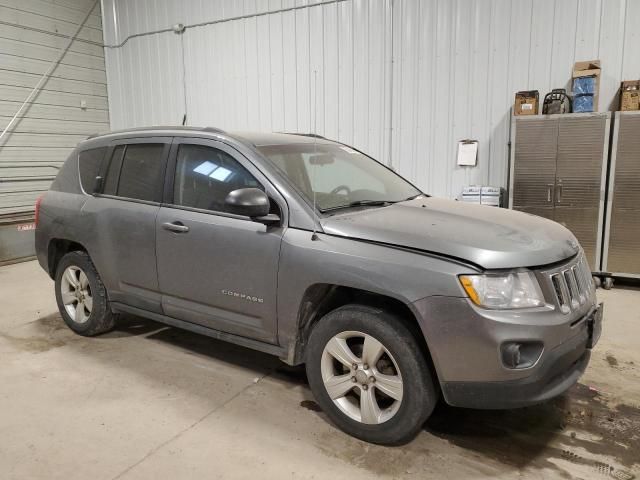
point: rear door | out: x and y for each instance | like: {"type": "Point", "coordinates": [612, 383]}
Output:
{"type": "Point", "coordinates": [122, 220]}
{"type": "Point", "coordinates": [215, 268]}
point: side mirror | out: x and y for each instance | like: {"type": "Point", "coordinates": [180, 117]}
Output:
{"type": "Point", "coordinates": [250, 202]}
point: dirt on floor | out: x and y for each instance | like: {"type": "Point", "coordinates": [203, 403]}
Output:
{"type": "Point", "coordinates": [150, 401]}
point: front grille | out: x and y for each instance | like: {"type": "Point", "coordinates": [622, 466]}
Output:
{"type": "Point", "coordinates": [571, 284]}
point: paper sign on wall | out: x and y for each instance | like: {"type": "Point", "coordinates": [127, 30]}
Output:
{"type": "Point", "coordinates": [467, 152]}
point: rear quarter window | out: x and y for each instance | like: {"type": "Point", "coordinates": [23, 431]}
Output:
{"type": "Point", "coordinates": [90, 163]}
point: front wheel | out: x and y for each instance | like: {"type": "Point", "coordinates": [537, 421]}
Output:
{"type": "Point", "coordinates": [369, 375]}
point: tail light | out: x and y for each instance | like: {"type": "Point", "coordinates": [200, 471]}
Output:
{"type": "Point", "coordinates": [37, 214]}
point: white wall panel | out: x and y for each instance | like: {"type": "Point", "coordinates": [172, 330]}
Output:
{"type": "Point", "coordinates": [289, 84]}
{"type": "Point", "coordinates": [631, 56]}
{"type": "Point", "coordinates": [150, 87]}
{"type": "Point", "coordinates": [32, 35]}
{"type": "Point", "coordinates": [405, 79]}
{"type": "Point", "coordinates": [345, 59]}
{"type": "Point", "coordinates": [612, 45]}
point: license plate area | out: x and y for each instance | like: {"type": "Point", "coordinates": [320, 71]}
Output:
{"type": "Point", "coordinates": [594, 324]}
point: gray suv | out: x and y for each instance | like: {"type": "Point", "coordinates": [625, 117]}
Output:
{"type": "Point", "coordinates": [310, 250]}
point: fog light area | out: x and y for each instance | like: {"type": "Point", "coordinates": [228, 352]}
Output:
{"type": "Point", "coordinates": [520, 354]}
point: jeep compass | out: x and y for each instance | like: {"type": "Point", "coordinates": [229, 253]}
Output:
{"type": "Point", "coordinates": [312, 251]}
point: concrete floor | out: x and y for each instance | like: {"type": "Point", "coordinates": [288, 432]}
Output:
{"type": "Point", "coordinates": [148, 401]}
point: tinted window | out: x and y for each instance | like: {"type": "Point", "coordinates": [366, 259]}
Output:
{"type": "Point", "coordinates": [338, 176]}
{"type": "Point", "coordinates": [90, 163]}
{"type": "Point", "coordinates": [206, 175]}
{"type": "Point", "coordinates": [141, 174]}
{"type": "Point", "coordinates": [325, 180]}
{"type": "Point", "coordinates": [111, 180]}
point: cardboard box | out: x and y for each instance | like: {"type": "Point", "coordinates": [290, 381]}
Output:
{"type": "Point", "coordinates": [526, 103]}
{"type": "Point", "coordinates": [590, 68]}
{"type": "Point", "coordinates": [630, 95]}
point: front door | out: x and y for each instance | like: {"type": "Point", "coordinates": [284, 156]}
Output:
{"type": "Point", "coordinates": [215, 268]}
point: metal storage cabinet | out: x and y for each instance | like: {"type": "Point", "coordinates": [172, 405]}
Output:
{"type": "Point", "coordinates": [622, 236]}
{"type": "Point", "coordinates": [558, 171]}
{"type": "Point", "coordinates": [533, 165]}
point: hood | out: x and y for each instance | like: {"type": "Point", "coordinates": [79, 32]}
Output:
{"type": "Point", "coordinates": [490, 237]}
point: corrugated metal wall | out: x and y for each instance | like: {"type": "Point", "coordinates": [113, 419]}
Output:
{"type": "Point", "coordinates": [403, 80]}
{"type": "Point", "coordinates": [32, 34]}
{"type": "Point", "coordinates": [258, 73]}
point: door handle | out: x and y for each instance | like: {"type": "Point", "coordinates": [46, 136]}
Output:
{"type": "Point", "coordinates": [549, 188]}
{"type": "Point", "coordinates": [559, 193]}
{"type": "Point", "coordinates": [176, 227]}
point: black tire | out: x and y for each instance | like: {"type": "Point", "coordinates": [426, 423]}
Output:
{"type": "Point", "coordinates": [597, 281]}
{"type": "Point", "coordinates": [420, 394]}
{"type": "Point", "coordinates": [101, 319]}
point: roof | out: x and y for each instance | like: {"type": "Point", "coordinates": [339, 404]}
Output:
{"type": "Point", "coordinates": [261, 138]}
{"type": "Point", "coordinates": [252, 138]}
{"type": "Point", "coordinates": [157, 128]}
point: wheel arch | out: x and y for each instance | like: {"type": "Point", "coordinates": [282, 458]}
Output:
{"type": "Point", "coordinates": [320, 299]}
{"type": "Point", "coordinates": [58, 248]}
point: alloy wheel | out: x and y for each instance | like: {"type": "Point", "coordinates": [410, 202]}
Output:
{"type": "Point", "coordinates": [76, 294]}
{"type": "Point", "coordinates": [361, 377]}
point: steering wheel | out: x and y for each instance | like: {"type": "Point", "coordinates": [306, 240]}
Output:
{"type": "Point", "coordinates": [339, 188]}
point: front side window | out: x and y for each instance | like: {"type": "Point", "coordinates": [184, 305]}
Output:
{"type": "Point", "coordinates": [206, 175]}
{"type": "Point", "coordinates": [90, 162]}
{"type": "Point", "coordinates": [338, 176]}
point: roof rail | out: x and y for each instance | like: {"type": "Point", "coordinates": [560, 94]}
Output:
{"type": "Point", "coordinates": [157, 127]}
{"type": "Point", "coordinates": [214, 130]}
{"type": "Point", "coordinates": [312, 135]}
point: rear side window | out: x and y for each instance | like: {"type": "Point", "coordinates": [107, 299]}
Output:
{"type": "Point", "coordinates": [113, 173]}
{"type": "Point", "coordinates": [136, 171]}
{"type": "Point", "coordinates": [90, 162]}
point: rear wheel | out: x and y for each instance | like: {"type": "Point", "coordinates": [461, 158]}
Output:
{"type": "Point", "coordinates": [369, 375]}
{"type": "Point", "coordinates": [81, 296]}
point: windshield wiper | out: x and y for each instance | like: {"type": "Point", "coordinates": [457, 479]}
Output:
{"type": "Point", "coordinates": [361, 203]}
{"type": "Point", "coordinates": [415, 196]}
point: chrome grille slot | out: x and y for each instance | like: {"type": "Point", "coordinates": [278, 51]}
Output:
{"type": "Point", "coordinates": [579, 284]}
{"type": "Point", "coordinates": [575, 270]}
{"type": "Point", "coordinates": [572, 288]}
{"type": "Point", "coordinates": [580, 268]}
{"type": "Point", "coordinates": [571, 284]}
{"type": "Point", "coordinates": [586, 274]}
{"type": "Point", "coordinates": [587, 271]}
{"type": "Point", "coordinates": [558, 285]}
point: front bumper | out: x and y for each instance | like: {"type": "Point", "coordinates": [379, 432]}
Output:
{"type": "Point", "coordinates": [560, 371]}
{"type": "Point", "coordinates": [465, 346]}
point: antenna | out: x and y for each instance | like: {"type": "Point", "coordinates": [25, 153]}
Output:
{"type": "Point", "coordinates": [314, 235]}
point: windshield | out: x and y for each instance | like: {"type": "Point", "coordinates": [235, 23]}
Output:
{"type": "Point", "coordinates": [338, 175]}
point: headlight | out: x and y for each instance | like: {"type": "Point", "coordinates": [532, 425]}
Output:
{"type": "Point", "coordinates": [503, 291]}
